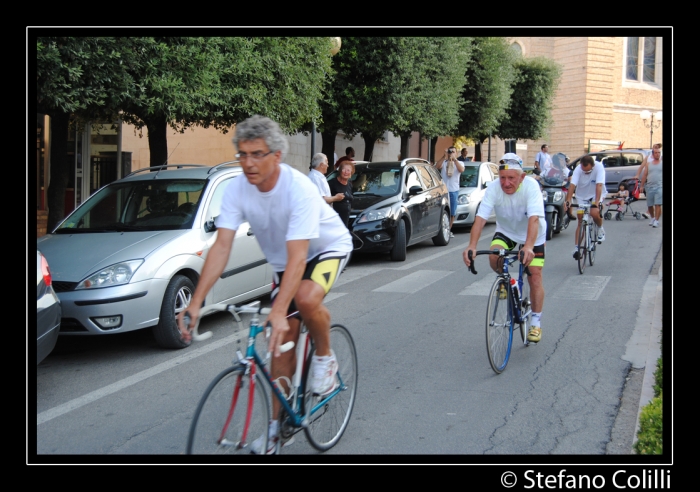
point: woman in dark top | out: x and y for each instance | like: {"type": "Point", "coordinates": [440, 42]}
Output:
{"type": "Point", "coordinates": [342, 184]}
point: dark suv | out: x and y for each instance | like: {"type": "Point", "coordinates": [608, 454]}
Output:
{"type": "Point", "coordinates": [397, 204]}
{"type": "Point", "coordinates": [619, 164]}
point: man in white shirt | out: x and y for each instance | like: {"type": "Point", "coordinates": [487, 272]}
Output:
{"type": "Point", "coordinates": [517, 200]}
{"type": "Point", "coordinates": [304, 241]}
{"type": "Point", "coordinates": [543, 161]}
{"type": "Point", "coordinates": [317, 174]}
{"type": "Point", "coordinates": [588, 181]}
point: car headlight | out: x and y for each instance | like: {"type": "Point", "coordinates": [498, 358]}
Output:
{"type": "Point", "coordinates": [372, 215]}
{"type": "Point", "coordinates": [117, 274]}
{"type": "Point", "coordinates": [558, 195]}
{"type": "Point", "coordinates": [463, 199]}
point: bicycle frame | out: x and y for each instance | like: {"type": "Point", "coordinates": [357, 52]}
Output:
{"type": "Point", "coordinates": [252, 361]}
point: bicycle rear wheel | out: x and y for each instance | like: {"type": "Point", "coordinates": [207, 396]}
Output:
{"type": "Point", "coordinates": [230, 415]}
{"type": "Point", "coordinates": [499, 326]}
{"type": "Point", "coordinates": [593, 236]}
{"type": "Point", "coordinates": [582, 248]}
{"type": "Point", "coordinates": [329, 415]}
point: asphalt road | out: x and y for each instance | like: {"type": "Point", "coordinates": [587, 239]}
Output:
{"type": "Point", "coordinates": [425, 388]}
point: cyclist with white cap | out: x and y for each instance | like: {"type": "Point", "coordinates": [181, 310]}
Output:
{"type": "Point", "coordinates": [517, 200]}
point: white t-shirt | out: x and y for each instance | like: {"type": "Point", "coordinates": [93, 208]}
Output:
{"type": "Point", "coordinates": [586, 183]}
{"type": "Point", "coordinates": [545, 162]}
{"type": "Point", "coordinates": [513, 211]}
{"type": "Point", "coordinates": [452, 182]}
{"type": "Point", "coordinates": [292, 210]}
{"type": "Point", "coordinates": [320, 181]}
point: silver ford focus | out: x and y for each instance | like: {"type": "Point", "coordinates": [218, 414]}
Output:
{"type": "Point", "coordinates": [129, 257]}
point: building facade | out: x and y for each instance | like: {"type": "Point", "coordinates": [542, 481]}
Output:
{"type": "Point", "coordinates": [607, 82]}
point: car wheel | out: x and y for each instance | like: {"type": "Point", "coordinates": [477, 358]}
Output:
{"type": "Point", "coordinates": [398, 251]}
{"type": "Point", "coordinates": [443, 235]}
{"type": "Point", "coordinates": [550, 224]}
{"type": "Point", "coordinates": [177, 297]}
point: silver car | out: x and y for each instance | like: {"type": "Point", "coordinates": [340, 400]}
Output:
{"type": "Point", "coordinates": [472, 186]}
{"type": "Point", "coordinates": [48, 310]}
{"type": "Point", "coordinates": [129, 257]}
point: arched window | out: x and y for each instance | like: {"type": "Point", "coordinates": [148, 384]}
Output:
{"type": "Point", "coordinates": [517, 49]}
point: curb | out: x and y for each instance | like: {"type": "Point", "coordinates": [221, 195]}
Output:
{"type": "Point", "coordinates": [654, 348]}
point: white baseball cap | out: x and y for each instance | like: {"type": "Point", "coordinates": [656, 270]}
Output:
{"type": "Point", "coordinates": [512, 161]}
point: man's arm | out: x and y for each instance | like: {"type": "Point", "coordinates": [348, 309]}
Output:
{"type": "Point", "coordinates": [460, 165]}
{"type": "Point", "coordinates": [296, 264]}
{"type": "Point", "coordinates": [533, 227]}
{"type": "Point", "coordinates": [214, 265]}
{"type": "Point", "coordinates": [569, 194]}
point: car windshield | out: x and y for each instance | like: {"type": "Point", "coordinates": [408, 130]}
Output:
{"type": "Point", "coordinates": [147, 205]}
{"type": "Point", "coordinates": [469, 177]}
{"type": "Point", "coordinates": [380, 182]}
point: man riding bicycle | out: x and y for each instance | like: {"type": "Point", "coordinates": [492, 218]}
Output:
{"type": "Point", "coordinates": [302, 238]}
{"type": "Point", "coordinates": [588, 180]}
{"type": "Point", "coordinates": [517, 201]}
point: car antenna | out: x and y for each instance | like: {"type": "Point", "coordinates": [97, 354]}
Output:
{"type": "Point", "coordinates": [166, 161]}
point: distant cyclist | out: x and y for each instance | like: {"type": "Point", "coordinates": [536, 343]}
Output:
{"type": "Point", "coordinates": [302, 238]}
{"type": "Point", "coordinates": [517, 200]}
{"type": "Point", "coordinates": [588, 180]}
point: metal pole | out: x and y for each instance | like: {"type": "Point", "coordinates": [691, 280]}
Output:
{"type": "Point", "coordinates": [651, 132]}
{"type": "Point", "coordinates": [313, 141]}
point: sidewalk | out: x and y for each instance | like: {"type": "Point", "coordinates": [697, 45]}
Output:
{"type": "Point", "coordinates": [644, 347]}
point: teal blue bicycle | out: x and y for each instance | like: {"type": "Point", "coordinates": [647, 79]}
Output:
{"type": "Point", "coordinates": [235, 409]}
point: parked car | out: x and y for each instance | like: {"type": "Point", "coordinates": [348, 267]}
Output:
{"type": "Point", "coordinates": [48, 310]}
{"type": "Point", "coordinates": [397, 204]}
{"type": "Point", "coordinates": [620, 165]}
{"type": "Point", "coordinates": [129, 257]}
{"type": "Point", "coordinates": [472, 186]}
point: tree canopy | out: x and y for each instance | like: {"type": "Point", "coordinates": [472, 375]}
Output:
{"type": "Point", "coordinates": [530, 111]}
{"type": "Point", "coordinates": [487, 93]}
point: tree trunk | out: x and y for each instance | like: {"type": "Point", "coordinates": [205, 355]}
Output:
{"type": "Point", "coordinates": [328, 146]}
{"type": "Point", "coordinates": [405, 139]}
{"type": "Point", "coordinates": [157, 139]}
{"type": "Point", "coordinates": [477, 151]}
{"type": "Point", "coordinates": [60, 170]}
{"type": "Point", "coordinates": [433, 144]}
{"type": "Point", "coordinates": [369, 145]}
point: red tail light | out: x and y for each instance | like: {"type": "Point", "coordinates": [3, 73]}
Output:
{"type": "Point", "coordinates": [45, 271]}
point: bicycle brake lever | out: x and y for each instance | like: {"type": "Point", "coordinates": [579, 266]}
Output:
{"type": "Point", "coordinates": [471, 265]}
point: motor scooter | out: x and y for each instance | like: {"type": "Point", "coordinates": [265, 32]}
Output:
{"type": "Point", "coordinates": [555, 182]}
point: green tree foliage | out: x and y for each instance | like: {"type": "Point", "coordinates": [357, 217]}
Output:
{"type": "Point", "coordinates": [529, 114]}
{"type": "Point", "coordinates": [401, 84]}
{"type": "Point", "coordinates": [78, 79]}
{"type": "Point", "coordinates": [178, 82]}
{"type": "Point", "coordinates": [487, 93]}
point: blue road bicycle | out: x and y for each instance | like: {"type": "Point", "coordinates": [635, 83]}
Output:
{"type": "Point", "coordinates": [508, 304]}
{"type": "Point", "coordinates": [235, 409]}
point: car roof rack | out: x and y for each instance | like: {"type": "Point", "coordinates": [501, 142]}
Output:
{"type": "Point", "coordinates": [160, 168]}
{"type": "Point", "coordinates": [224, 164]}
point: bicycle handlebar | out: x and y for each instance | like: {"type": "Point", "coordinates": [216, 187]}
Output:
{"type": "Point", "coordinates": [499, 252]}
{"type": "Point", "coordinates": [252, 308]}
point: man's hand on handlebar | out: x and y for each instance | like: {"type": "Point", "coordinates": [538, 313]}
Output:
{"type": "Point", "coordinates": [468, 258]}
{"type": "Point", "coordinates": [280, 327]}
{"type": "Point", "coordinates": [192, 312]}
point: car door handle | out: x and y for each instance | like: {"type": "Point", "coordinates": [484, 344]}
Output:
{"type": "Point", "coordinates": [250, 233]}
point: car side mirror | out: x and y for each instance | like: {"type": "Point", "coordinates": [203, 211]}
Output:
{"type": "Point", "coordinates": [414, 190]}
{"type": "Point", "coordinates": [210, 226]}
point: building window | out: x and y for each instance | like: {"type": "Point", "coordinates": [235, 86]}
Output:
{"type": "Point", "coordinates": [517, 49]}
{"type": "Point", "coordinates": [641, 59]}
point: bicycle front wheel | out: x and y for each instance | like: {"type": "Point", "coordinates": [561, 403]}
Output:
{"type": "Point", "coordinates": [593, 241]}
{"type": "Point", "coordinates": [233, 412]}
{"type": "Point", "coordinates": [329, 415]}
{"type": "Point", "coordinates": [499, 326]}
{"type": "Point", "coordinates": [525, 310]}
{"type": "Point", "coordinates": [582, 248]}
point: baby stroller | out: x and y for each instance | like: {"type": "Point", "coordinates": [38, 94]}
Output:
{"type": "Point", "coordinates": [632, 185]}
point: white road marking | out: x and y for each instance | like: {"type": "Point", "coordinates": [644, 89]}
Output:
{"type": "Point", "coordinates": [413, 282]}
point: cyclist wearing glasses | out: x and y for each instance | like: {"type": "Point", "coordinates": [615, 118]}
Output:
{"type": "Point", "coordinates": [588, 180]}
{"type": "Point", "coordinates": [302, 238]}
{"type": "Point", "coordinates": [517, 200]}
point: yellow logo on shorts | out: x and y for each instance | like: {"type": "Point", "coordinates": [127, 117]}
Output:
{"type": "Point", "coordinates": [325, 273]}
